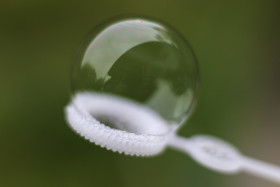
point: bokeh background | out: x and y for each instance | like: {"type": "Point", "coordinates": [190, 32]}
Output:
{"type": "Point", "coordinates": [237, 43]}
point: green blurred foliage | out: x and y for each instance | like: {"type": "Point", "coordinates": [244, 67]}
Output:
{"type": "Point", "coordinates": [237, 45]}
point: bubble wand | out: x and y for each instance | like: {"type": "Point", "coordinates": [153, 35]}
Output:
{"type": "Point", "coordinates": [135, 83]}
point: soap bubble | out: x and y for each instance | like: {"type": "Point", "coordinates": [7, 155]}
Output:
{"type": "Point", "coordinates": [139, 60]}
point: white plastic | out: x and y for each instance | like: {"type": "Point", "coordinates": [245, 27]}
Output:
{"type": "Point", "coordinates": [140, 131]}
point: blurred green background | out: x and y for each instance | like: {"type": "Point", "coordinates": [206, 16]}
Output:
{"type": "Point", "coordinates": [237, 44]}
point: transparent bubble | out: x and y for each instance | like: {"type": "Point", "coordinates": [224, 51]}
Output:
{"type": "Point", "coordinates": [141, 60]}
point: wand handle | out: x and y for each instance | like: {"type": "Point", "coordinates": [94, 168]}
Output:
{"type": "Point", "coordinates": [222, 157]}
{"type": "Point", "coordinates": [261, 169]}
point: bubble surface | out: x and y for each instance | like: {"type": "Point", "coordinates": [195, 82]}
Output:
{"type": "Point", "coordinates": [142, 60]}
